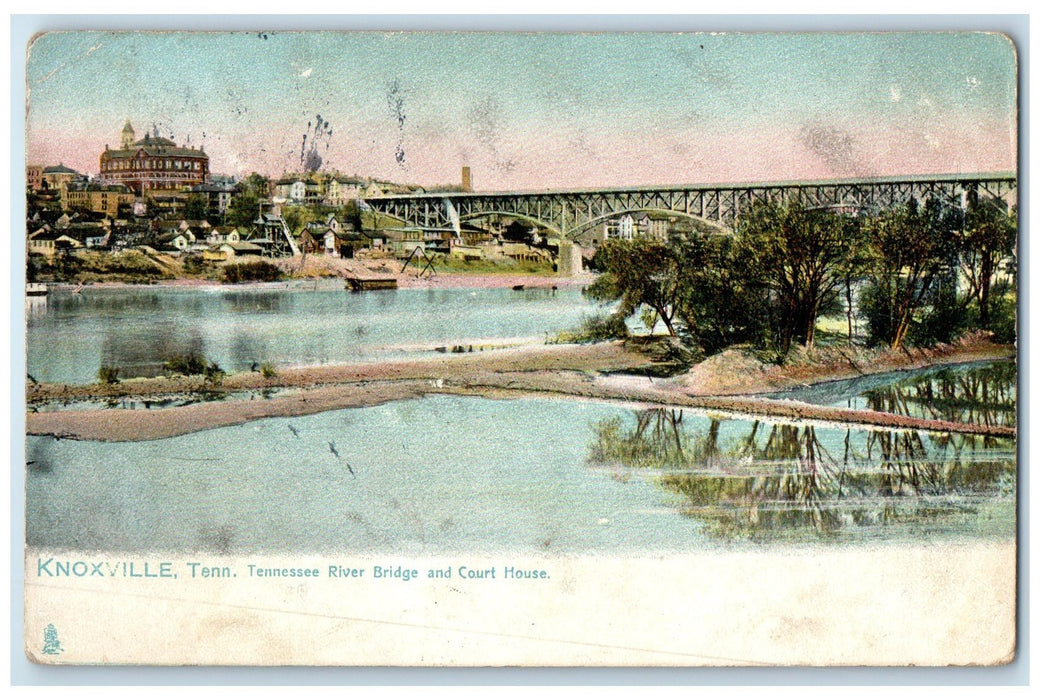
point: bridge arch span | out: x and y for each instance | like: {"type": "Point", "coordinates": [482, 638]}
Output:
{"type": "Point", "coordinates": [510, 215]}
{"type": "Point", "coordinates": [705, 225]}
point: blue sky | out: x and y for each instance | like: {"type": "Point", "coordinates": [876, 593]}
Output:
{"type": "Point", "coordinates": [536, 110]}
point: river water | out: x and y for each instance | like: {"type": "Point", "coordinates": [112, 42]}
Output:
{"type": "Point", "coordinates": [137, 329]}
{"type": "Point", "coordinates": [984, 393]}
{"type": "Point", "coordinates": [452, 474]}
{"type": "Point", "coordinates": [441, 475]}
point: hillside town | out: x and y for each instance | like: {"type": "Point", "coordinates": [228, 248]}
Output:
{"type": "Point", "coordinates": [161, 200]}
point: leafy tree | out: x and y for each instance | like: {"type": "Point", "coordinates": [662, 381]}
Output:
{"type": "Point", "coordinates": [640, 272]}
{"type": "Point", "coordinates": [297, 217]}
{"type": "Point", "coordinates": [697, 287]}
{"type": "Point", "coordinates": [258, 185]}
{"type": "Point", "coordinates": [989, 237]}
{"type": "Point", "coordinates": [195, 207]}
{"type": "Point", "coordinates": [108, 375]}
{"type": "Point", "coordinates": [64, 261]}
{"type": "Point", "coordinates": [243, 209]}
{"type": "Point", "coordinates": [720, 305]}
{"type": "Point", "coordinates": [801, 255]}
{"type": "Point", "coordinates": [942, 317]}
{"type": "Point", "coordinates": [351, 213]}
{"type": "Point", "coordinates": [33, 267]}
{"type": "Point", "coordinates": [910, 248]}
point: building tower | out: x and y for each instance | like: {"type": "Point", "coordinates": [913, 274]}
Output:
{"type": "Point", "coordinates": [128, 135]}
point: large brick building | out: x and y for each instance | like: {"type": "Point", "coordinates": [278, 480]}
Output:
{"type": "Point", "coordinates": [103, 199]}
{"type": "Point", "coordinates": [153, 165]}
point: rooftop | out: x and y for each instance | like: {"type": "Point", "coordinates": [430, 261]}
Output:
{"type": "Point", "coordinates": [60, 168]}
{"type": "Point", "coordinates": [155, 146]}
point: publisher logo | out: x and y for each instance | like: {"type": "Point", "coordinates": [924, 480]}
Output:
{"type": "Point", "coordinates": [51, 643]}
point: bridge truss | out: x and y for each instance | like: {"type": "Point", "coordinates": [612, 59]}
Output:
{"type": "Point", "coordinates": [571, 212]}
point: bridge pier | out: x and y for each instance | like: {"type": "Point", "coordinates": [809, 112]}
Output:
{"type": "Point", "coordinates": [568, 262]}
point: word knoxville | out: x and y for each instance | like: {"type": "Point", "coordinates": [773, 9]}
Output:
{"type": "Point", "coordinates": [80, 568]}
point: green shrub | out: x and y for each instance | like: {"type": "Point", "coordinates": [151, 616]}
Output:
{"type": "Point", "coordinates": [188, 365]}
{"type": "Point", "coordinates": [268, 371]}
{"type": "Point", "coordinates": [876, 307]}
{"type": "Point", "coordinates": [108, 375]}
{"type": "Point", "coordinates": [213, 373]}
{"type": "Point", "coordinates": [255, 271]}
{"type": "Point", "coordinates": [194, 264]}
{"type": "Point", "coordinates": [594, 329]}
{"type": "Point", "coordinates": [942, 321]}
{"type": "Point", "coordinates": [486, 266]}
{"type": "Point", "coordinates": [1003, 319]}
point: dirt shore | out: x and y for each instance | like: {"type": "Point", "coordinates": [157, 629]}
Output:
{"type": "Point", "coordinates": [416, 276]}
{"type": "Point", "coordinates": [727, 385]}
{"type": "Point", "coordinates": [734, 372]}
{"type": "Point", "coordinates": [322, 270]}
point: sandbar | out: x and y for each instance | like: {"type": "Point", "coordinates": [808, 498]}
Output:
{"type": "Point", "coordinates": [610, 371]}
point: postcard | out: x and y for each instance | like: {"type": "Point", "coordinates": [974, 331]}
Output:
{"type": "Point", "coordinates": [357, 348]}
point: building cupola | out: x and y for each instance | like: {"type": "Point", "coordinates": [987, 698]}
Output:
{"type": "Point", "coordinates": [128, 135]}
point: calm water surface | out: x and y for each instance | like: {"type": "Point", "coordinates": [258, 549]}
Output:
{"type": "Point", "coordinates": [984, 393]}
{"type": "Point", "coordinates": [451, 474]}
{"type": "Point", "coordinates": [70, 336]}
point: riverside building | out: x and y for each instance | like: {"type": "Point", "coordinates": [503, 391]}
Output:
{"type": "Point", "coordinates": [153, 165]}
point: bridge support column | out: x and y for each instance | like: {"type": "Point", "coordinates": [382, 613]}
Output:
{"type": "Point", "coordinates": [568, 263]}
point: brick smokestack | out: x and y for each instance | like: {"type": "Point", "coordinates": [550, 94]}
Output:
{"type": "Point", "coordinates": [467, 179]}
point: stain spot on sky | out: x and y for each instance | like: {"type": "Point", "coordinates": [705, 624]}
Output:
{"type": "Point", "coordinates": [483, 120]}
{"type": "Point", "coordinates": [485, 124]}
{"type": "Point", "coordinates": [834, 146]}
{"type": "Point", "coordinates": [317, 137]}
{"type": "Point", "coordinates": [163, 129]}
{"type": "Point", "coordinates": [703, 70]}
{"type": "Point", "coordinates": [582, 146]}
{"type": "Point", "coordinates": [395, 102]}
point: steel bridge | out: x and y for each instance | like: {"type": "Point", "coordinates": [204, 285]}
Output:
{"type": "Point", "coordinates": [569, 213]}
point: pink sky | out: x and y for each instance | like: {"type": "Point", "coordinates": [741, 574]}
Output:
{"type": "Point", "coordinates": [537, 111]}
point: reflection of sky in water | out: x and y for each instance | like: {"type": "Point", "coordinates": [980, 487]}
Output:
{"type": "Point", "coordinates": [434, 475]}
{"type": "Point", "coordinates": [450, 474]}
{"type": "Point", "coordinates": [134, 329]}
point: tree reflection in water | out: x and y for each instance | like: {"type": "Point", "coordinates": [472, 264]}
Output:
{"type": "Point", "coordinates": [790, 482]}
{"type": "Point", "coordinates": [979, 395]}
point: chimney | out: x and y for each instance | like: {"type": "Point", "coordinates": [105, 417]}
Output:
{"type": "Point", "coordinates": [467, 181]}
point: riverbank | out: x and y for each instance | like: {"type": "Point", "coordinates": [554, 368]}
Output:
{"type": "Point", "coordinates": [319, 271]}
{"type": "Point", "coordinates": [415, 275]}
{"type": "Point", "coordinates": [735, 371]}
{"type": "Point", "coordinates": [613, 371]}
